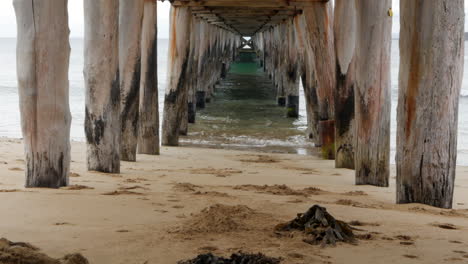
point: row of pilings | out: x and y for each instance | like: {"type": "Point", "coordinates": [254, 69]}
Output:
{"type": "Point", "coordinates": [341, 55]}
{"type": "Point", "coordinates": [199, 55]}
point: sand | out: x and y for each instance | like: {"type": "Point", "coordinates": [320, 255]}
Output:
{"type": "Point", "coordinates": [192, 201]}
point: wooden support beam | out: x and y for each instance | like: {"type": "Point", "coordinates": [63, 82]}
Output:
{"type": "Point", "coordinates": [345, 42]}
{"type": "Point", "coordinates": [177, 79]}
{"type": "Point", "coordinates": [431, 72]}
{"type": "Point", "coordinates": [372, 92]}
{"type": "Point", "coordinates": [305, 61]}
{"type": "Point", "coordinates": [101, 74]}
{"type": "Point", "coordinates": [320, 77]}
{"type": "Point", "coordinates": [292, 71]}
{"type": "Point", "coordinates": [247, 3]}
{"type": "Point", "coordinates": [43, 53]}
{"type": "Point", "coordinates": [130, 26]}
{"type": "Point", "coordinates": [148, 134]}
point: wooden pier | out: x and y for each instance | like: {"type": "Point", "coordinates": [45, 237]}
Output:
{"type": "Point", "coordinates": [340, 53]}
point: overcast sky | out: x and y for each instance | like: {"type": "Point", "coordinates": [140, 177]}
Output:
{"type": "Point", "coordinates": [8, 21]}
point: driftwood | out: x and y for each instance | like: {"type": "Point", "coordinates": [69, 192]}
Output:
{"type": "Point", "coordinates": [320, 227]}
{"type": "Point", "coordinates": [42, 68]}
{"type": "Point", "coordinates": [431, 72]}
{"type": "Point", "coordinates": [101, 73]}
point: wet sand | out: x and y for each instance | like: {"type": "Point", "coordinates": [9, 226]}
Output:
{"type": "Point", "coordinates": [190, 201]}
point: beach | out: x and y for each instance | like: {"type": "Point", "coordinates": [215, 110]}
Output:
{"type": "Point", "coordinates": [188, 201]}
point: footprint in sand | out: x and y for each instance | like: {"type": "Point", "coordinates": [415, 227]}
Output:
{"type": "Point", "coordinates": [76, 187]}
{"type": "Point", "coordinates": [355, 193]}
{"type": "Point", "coordinates": [9, 190]}
{"type": "Point", "coordinates": [259, 159]}
{"type": "Point", "coordinates": [115, 193]}
{"type": "Point", "coordinates": [208, 249]}
{"type": "Point", "coordinates": [445, 226]}
{"type": "Point", "coordinates": [62, 224]}
{"type": "Point", "coordinates": [127, 188]}
{"type": "Point", "coordinates": [359, 223]}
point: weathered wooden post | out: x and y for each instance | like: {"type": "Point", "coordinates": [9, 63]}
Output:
{"type": "Point", "coordinates": [148, 134]}
{"type": "Point", "coordinates": [43, 53]}
{"type": "Point", "coordinates": [372, 92]}
{"type": "Point", "coordinates": [431, 72]}
{"type": "Point", "coordinates": [192, 90]}
{"type": "Point", "coordinates": [345, 42]}
{"type": "Point", "coordinates": [200, 94]}
{"type": "Point", "coordinates": [130, 26]}
{"type": "Point", "coordinates": [177, 79]}
{"type": "Point", "coordinates": [101, 74]}
{"type": "Point", "coordinates": [321, 67]}
{"type": "Point", "coordinates": [309, 82]}
{"type": "Point", "coordinates": [319, 20]}
{"type": "Point", "coordinates": [292, 73]}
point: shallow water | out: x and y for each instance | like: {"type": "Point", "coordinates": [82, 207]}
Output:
{"type": "Point", "coordinates": [272, 133]}
{"type": "Point", "coordinates": [244, 115]}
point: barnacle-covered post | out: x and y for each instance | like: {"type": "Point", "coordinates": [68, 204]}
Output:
{"type": "Point", "coordinates": [148, 134]}
{"type": "Point", "coordinates": [345, 42]}
{"type": "Point", "coordinates": [130, 26]}
{"type": "Point", "coordinates": [431, 73]}
{"type": "Point", "coordinates": [177, 78]}
{"type": "Point", "coordinates": [372, 92]}
{"type": "Point", "coordinates": [43, 53]}
{"type": "Point", "coordinates": [101, 74]}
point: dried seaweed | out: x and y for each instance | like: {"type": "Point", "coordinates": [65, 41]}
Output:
{"type": "Point", "coordinates": [320, 227]}
{"type": "Point", "coordinates": [239, 258]}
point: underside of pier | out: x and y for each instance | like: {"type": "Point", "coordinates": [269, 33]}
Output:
{"type": "Point", "coordinates": [340, 53]}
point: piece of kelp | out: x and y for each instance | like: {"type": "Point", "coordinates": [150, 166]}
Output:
{"type": "Point", "coordinates": [320, 227]}
{"type": "Point", "coordinates": [239, 258]}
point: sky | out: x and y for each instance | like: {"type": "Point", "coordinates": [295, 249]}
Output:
{"type": "Point", "coordinates": [8, 20]}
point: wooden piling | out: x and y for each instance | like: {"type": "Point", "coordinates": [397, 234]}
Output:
{"type": "Point", "coordinates": [148, 134]}
{"type": "Point", "coordinates": [319, 21]}
{"type": "Point", "coordinates": [306, 67]}
{"type": "Point", "coordinates": [43, 53]}
{"type": "Point", "coordinates": [292, 72]}
{"type": "Point", "coordinates": [177, 79]}
{"type": "Point", "coordinates": [372, 92]}
{"type": "Point", "coordinates": [345, 42]}
{"type": "Point", "coordinates": [431, 73]}
{"type": "Point", "coordinates": [101, 74]}
{"type": "Point", "coordinates": [130, 27]}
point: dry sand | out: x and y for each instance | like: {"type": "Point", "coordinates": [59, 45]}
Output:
{"type": "Point", "coordinates": [191, 201]}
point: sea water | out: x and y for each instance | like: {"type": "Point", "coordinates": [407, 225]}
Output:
{"type": "Point", "coordinates": [251, 121]}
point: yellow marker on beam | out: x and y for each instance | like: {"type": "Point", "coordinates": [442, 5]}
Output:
{"type": "Point", "coordinates": [390, 12]}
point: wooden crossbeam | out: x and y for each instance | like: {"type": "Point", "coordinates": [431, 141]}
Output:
{"type": "Point", "coordinates": [247, 3]}
{"type": "Point", "coordinates": [245, 17]}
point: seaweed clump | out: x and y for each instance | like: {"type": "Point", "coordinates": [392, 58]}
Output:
{"type": "Point", "coordinates": [24, 253]}
{"type": "Point", "coordinates": [239, 258]}
{"type": "Point", "coordinates": [320, 227]}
